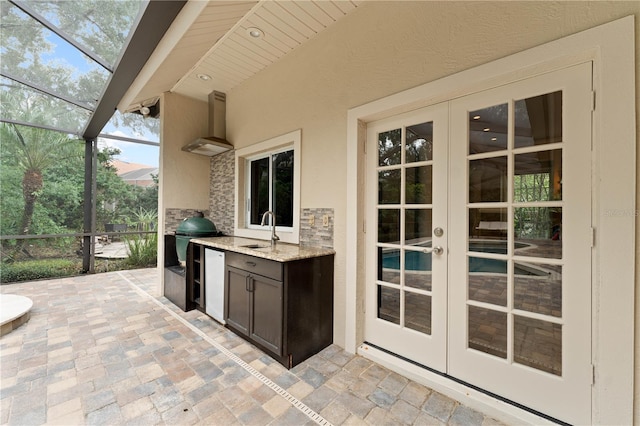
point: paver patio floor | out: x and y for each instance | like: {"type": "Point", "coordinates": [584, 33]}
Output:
{"type": "Point", "coordinates": [107, 349]}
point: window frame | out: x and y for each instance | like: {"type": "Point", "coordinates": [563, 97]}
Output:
{"type": "Point", "coordinates": [243, 158]}
{"type": "Point", "coordinates": [248, 182]}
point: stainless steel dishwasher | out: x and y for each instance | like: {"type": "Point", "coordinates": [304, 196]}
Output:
{"type": "Point", "coordinates": [214, 284]}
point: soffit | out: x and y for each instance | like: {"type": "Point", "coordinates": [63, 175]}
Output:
{"type": "Point", "coordinates": [217, 43]}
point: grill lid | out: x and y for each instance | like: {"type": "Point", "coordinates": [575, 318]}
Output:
{"type": "Point", "coordinates": [197, 226]}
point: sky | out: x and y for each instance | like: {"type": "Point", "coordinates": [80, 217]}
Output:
{"type": "Point", "coordinates": [130, 152]}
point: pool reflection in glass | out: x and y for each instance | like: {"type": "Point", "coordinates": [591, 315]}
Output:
{"type": "Point", "coordinates": [417, 269]}
{"type": "Point", "coordinates": [389, 304]}
{"type": "Point", "coordinates": [487, 331]}
{"type": "Point", "coordinates": [487, 280]}
{"type": "Point", "coordinates": [389, 265]}
{"type": "Point", "coordinates": [538, 344]}
{"type": "Point", "coordinates": [417, 312]}
{"type": "Point", "coordinates": [541, 294]}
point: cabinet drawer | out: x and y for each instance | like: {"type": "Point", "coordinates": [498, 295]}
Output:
{"type": "Point", "coordinates": [266, 268]}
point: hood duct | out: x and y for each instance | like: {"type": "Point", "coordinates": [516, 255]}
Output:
{"type": "Point", "coordinates": [217, 142]}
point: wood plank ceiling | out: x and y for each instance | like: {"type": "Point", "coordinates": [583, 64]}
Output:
{"type": "Point", "coordinates": [218, 44]}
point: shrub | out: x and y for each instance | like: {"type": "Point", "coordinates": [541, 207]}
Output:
{"type": "Point", "coordinates": [37, 269]}
{"type": "Point", "coordinates": [143, 250]}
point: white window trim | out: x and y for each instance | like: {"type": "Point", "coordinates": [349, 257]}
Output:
{"type": "Point", "coordinates": [247, 177]}
{"type": "Point", "coordinates": [610, 47]}
{"type": "Point", "coordinates": [281, 143]}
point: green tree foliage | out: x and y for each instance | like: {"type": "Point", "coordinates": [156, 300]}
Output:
{"type": "Point", "coordinates": [28, 52]}
{"type": "Point", "coordinates": [32, 151]}
{"type": "Point", "coordinates": [42, 175]}
{"type": "Point", "coordinates": [56, 204]}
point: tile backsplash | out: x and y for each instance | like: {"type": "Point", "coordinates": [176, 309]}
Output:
{"type": "Point", "coordinates": [221, 191]}
{"type": "Point", "coordinates": [173, 217]}
{"type": "Point", "coordinates": [313, 231]}
{"type": "Point", "coordinates": [222, 205]}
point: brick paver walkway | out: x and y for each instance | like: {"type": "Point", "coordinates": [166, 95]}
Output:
{"type": "Point", "coordinates": [99, 349]}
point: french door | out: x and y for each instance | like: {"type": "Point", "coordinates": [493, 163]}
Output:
{"type": "Point", "coordinates": [407, 270]}
{"type": "Point", "coordinates": [479, 240]}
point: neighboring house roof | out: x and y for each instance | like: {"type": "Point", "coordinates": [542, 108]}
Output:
{"type": "Point", "coordinates": [135, 174]}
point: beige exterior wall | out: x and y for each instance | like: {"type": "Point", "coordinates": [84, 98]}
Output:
{"type": "Point", "coordinates": [184, 177]}
{"type": "Point", "coordinates": [381, 49]}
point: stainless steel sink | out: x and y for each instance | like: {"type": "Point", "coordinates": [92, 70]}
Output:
{"type": "Point", "coordinates": [256, 246]}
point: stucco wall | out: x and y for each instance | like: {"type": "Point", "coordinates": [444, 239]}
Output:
{"type": "Point", "coordinates": [381, 49]}
{"type": "Point", "coordinates": [184, 177]}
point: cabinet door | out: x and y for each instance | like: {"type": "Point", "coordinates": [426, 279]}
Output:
{"type": "Point", "coordinates": [237, 312]}
{"type": "Point", "coordinates": [266, 321]}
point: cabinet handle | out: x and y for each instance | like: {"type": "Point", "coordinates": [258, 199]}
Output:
{"type": "Point", "coordinates": [248, 283]}
{"type": "Point", "coordinates": [251, 263]}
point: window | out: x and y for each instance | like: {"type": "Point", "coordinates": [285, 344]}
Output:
{"type": "Point", "coordinates": [268, 179]}
{"type": "Point", "coordinates": [270, 188]}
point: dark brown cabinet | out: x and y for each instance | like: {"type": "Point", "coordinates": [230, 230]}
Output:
{"type": "Point", "coordinates": [285, 308]}
{"type": "Point", "coordinates": [195, 277]}
{"type": "Point", "coordinates": [255, 307]}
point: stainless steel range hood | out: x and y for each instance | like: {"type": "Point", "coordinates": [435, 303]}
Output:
{"type": "Point", "coordinates": [216, 143]}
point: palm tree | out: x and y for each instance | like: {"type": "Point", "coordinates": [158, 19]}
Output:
{"type": "Point", "coordinates": [34, 150]}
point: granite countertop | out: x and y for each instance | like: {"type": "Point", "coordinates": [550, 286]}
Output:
{"type": "Point", "coordinates": [282, 252]}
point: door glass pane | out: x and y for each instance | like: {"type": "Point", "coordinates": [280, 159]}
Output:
{"type": "Point", "coordinates": [488, 129]}
{"type": "Point", "coordinates": [283, 188]}
{"type": "Point", "coordinates": [538, 231]}
{"type": "Point", "coordinates": [259, 189]}
{"type": "Point", "coordinates": [418, 185]}
{"type": "Point", "coordinates": [538, 288]}
{"type": "Point", "coordinates": [417, 226]}
{"type": "Point", "coordinates": [419, 145]}
{"type": "Point", "coordinates": [389, 304]}
{"type": "Point", "coordinates": [488, 224]}
{"type": "Point", "coordinates": [417, 312]}
{"type": "Point", "coordinates": [538, 120]}
{"type": "Point", "coordinates": [389, 265]}
{"type": "Point", "coordinates": [389, 186]}
{"type": "Point", "coordinates": [487, 280]}
{"type": "Point", "coordinates": [538, 344]}
{"type": "Point", "coordinates": [487, 331]}
{"type": "Point", "coordinates": [417, 269]}
{"type": "Point", "coordinates": [488, 180]}
{"type": "Point", "coordinates": [538, 176]}
{"type": "Point", "coordinates": [389, 226]}
{"type": "Point", "coordinates": [390, 147]}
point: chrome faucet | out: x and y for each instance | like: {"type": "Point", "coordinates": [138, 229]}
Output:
{"type": "Point", "coordinates": [274, 237]}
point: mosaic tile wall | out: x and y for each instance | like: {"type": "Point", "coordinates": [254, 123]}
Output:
{"type": "Point", "coordinates": [173, 217]}
{"type": "Point", "coordinates": [316, 234]}
{"type": "Point", "coordinates": [221, 191]}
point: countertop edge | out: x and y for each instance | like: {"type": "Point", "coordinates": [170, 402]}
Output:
{"type": "Point", "coordinates": [297, 252]}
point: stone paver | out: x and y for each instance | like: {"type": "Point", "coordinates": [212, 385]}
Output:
{"type": "Point", "coordinates": [97, 351]}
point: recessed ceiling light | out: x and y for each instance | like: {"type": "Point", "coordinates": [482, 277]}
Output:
{"type": "Point", "coordinates": [255, 32]}
{"type": "Point", "coordinates": [476, 117]}
{"type": "Point", "coordinates": [204, 77]}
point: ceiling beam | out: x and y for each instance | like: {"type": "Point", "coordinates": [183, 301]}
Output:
{"type": "Point", "coordinates": [153, 24]}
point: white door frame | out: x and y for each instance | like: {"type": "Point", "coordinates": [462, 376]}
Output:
{"type": "Point", "coordinates": [611, 49]}
{"type": "Point", "coordinates": [413, 344]}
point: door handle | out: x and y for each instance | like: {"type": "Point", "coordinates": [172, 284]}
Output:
{"type": "Point", "coordinates": [437, 250]}
{"type": "Point", "coordinates": [253, 264]}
